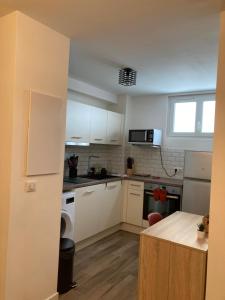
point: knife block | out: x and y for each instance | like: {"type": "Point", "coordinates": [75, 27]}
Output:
{"type": "Point", "coordinates": [72, 172]}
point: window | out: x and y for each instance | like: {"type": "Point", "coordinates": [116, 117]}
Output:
{"type": "Point", "coordinates": [191, 115]}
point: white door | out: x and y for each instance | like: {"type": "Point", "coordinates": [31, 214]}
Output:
{"type": "Point", "coordinates": [78, 122]}
{"type": "Point", "coordinates": [196, 197]}
{"type": "Point", "coordinates": [98, 125]}
{"type": "Point", "coordinates": [198, 164]}
{"type": "Point", "coordinates": [134, 207]}
{"type": "Point", "coordinates": [114, 128]}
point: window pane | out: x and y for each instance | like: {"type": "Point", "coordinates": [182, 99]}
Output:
{"type": "Point", "coordinates": [184, 117]}
{"type": "Point", "coordinates": [208, 116]}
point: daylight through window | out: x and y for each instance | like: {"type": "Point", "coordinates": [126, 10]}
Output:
{"type": "Point", "coordinates": [191, 115]}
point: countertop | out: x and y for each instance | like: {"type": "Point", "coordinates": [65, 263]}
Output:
{"type": "Point", "coordinates": [67, 186]}
{"type": "Point", "coordinates": [159, 180]}
{"type": "Point", "coordinates": [179, 228]}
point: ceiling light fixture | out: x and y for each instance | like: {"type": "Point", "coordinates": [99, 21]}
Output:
{"type": "Point", "coordinates": [127, 76]}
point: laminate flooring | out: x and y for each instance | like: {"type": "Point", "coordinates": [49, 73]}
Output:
{"type": "Point", "coordinates": [107, 269]}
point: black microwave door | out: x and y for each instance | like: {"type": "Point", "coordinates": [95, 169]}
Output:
{"type": "Point", "coordinates": [137, 136]}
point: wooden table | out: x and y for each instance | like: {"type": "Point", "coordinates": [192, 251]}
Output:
{"type": "Point", "coordinates": [172, 260]}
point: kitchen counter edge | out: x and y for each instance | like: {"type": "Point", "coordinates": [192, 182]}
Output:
{"type": "Point", "coordinates": [174, 182]}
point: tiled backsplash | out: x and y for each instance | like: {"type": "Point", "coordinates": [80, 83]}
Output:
{"type": "Point", "coordinates": [147, 160]}
{"type": "Point", "coordinates": [113, 158]}
{"type": "Point", "coordinates": [110, 157]}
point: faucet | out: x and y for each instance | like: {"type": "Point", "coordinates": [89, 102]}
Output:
{"type": "Point", "coordinates": [89, 161]}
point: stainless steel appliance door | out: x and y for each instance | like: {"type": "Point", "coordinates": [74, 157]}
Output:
{"type": "Point", "coordinates": [197, 165]}
{"type": "Point", "coordinates": [165, 208]}
{"type": "Point", "coordinates": [196, 196]}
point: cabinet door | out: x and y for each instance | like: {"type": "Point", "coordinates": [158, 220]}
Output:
{"type": "Point", "coordinates": [187, 274]}
{"type": "Point", "coordinates": [124, 201]}
{"type": "Point", "coordinates": [88, 211]}
{"type": "Point", "coordinates": [134, 207]}
{"type": "Point", "coordinates": [98, 125]}
{"type": "Point", "coordinates": [78, 122]}
{"type": "Point", "coordinates": [114, 128]}
{"type": "Point", "coordinates": [153, 269]}
{"type": "Point", "coordinates": [135, 185]}
{"type": "Point", "coordinates": [111, 205]}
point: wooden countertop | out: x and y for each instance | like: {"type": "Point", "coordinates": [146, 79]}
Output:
{"type": "Point", "coordinates": [179, 228]}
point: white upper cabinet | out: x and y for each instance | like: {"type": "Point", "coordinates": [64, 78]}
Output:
{"type": "Point", "coordinates": [98, 125]}
{"type": "Point", "coordinates": [78, 122]}
{"type": "Point", "coordinates": [114, 128]}
{"type": "Point", "coordinates": [88, 124]}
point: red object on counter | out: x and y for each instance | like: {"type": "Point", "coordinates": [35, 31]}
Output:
{"type": "Point", "coordinates": [163, 194]}
{"type": "Point", "coordinates": [156, 194]}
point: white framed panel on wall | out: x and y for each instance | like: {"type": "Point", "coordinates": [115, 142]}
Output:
{"type": "Point", "coordinates": [45, 134]}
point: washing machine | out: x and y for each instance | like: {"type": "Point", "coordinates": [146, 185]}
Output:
{"type": "Point", "coordinates": [68, 215]}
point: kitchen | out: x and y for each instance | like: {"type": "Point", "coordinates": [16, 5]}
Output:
{"type": "Point", "coordinates": [106, 236]}
{"type": "Point", "coordinates": [130, 198]}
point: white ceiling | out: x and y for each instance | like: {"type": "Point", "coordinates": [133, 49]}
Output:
{"type": "Point", "coordinates": [171, 43]}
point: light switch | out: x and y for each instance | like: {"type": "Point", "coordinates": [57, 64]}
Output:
{"type": "Point", "coordinates": [30, 186]}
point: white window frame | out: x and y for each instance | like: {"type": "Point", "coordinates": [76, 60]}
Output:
{"type": "Point", "coordinates": [199, 99]}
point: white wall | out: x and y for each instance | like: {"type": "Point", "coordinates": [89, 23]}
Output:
{"type": "Point", "coordinates": [40, 62]}
{"type": "Point", "coordinates": [151, 112]}
{"type": "Point", "coordinates": [216, 255]}
{"type": "Point", "coordinates": [90, 90]}
{"type": "Point", "coordinates": [7, 62]}
{"type": "Point", "coordinates": [119, 106]}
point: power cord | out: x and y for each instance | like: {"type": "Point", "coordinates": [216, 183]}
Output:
{"type": "Point", "coordinates": [163, 167]}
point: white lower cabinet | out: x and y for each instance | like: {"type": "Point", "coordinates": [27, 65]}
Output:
{"type": "Point", "coordinates": [134, 207]}
{"type": "Point", "coordinates": [87, 211]}
{"type": "Point", "coordinates": [111, 204]}
{"type": "Point", "coordinates": [97, 208]}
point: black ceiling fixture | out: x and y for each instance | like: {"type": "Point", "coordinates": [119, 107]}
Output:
{"type": "Point", "coordinates": [127, 76]}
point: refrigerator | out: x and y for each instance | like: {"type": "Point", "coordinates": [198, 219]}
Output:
{"type": "Point", "coordinates": [197, 181]}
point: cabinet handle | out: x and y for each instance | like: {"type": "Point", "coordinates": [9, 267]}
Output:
{"type": "Point", "coordinates": [135, 194]}
{"type": "Point", "coordinates": [76, 137]}
{"type": "Point", "coordinates": [167, 197]}
{"type": "Point", "coordinates": [137, 185]}
{"type": "Point", "coordinates": [89, 192]}
{"type": "Point", "coordinates": [98, 139]}
{"type": "Point", "coordinates": [111, 187]}
{"type": "Point", "coordinates": [114, 140]}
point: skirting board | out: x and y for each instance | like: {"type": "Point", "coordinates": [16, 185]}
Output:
{"type": "Point", "coordinates": [97, 237]}
{"type": "Point", "coordinates": [131, 228]}
{"type": "Point", "coordinates": [53, 297]}
{"type": "Point", "coordinates": [107, 232]}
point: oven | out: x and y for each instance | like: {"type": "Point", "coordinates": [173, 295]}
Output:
{"type": "Point", "coordinates": [168, 203]}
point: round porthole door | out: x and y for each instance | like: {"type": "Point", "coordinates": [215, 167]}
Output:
{"type": "Point", "coordinates": [66, 224]}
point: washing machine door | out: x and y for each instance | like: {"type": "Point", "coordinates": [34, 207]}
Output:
{"type": "Point", "coordinates": [66, 229]}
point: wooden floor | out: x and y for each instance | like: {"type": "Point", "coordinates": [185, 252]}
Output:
{"type": "Point", "coordinates": [107, 269]}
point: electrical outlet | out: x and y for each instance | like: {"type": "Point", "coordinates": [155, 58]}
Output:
{"type": "Point", "coordinates": [30, 186]}
{"type": "Point", "coordinates": [178, 170]}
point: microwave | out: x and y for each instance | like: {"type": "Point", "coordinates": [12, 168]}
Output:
{"type": "Point", "coordinates": [151, 137]}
